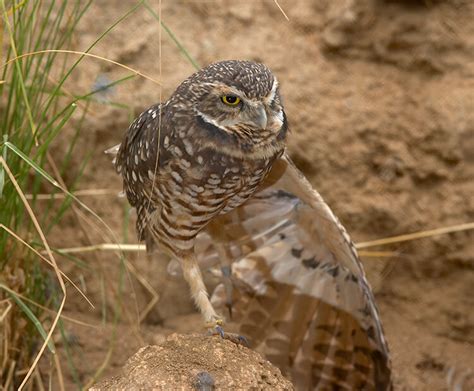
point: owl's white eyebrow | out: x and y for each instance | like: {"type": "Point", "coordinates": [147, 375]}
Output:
{"type": "Point", "coordinates": [271, 96]}
{"type": "Point", "coordinates": [209, 120]}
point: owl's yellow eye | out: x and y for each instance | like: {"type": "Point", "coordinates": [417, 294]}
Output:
{"type": "Point", "coordinates": [230, 100]}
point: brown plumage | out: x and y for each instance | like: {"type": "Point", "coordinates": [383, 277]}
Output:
{"type": "Point", "coordinates": [190, 164]}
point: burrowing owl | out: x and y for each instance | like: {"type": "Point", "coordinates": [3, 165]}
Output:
{"type": "Point", "coordinates": [190, 164]}
{"type": "Point", "coordinates": [200, 154]}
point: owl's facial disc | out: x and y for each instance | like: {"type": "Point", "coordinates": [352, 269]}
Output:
{"type": "Point", "coordinates": [243, 122]}
{"type": "Point", "coordinates": [231, 110]}
{"type": "Point", "coordinates": [252, 115]}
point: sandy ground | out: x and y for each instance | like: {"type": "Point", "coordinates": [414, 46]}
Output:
{"type": "Point", "coordinates": [380, 100]}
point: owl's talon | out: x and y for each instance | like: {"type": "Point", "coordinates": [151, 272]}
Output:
{"type": "Point", "coordinates": [243, 341]}
{"type": "Point", "coordinates": [220, 331]}
{"type": "Point", "coordinates": [235, 338]}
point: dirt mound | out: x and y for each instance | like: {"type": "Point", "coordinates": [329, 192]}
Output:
{"type": "Point", "coordinates": [196, 362]}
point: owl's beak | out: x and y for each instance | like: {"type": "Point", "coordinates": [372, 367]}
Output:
{"type": "Point", "coordinates": [260, 118]}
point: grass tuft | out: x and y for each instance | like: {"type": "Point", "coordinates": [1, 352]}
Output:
{"type": "Point", "coordinates": [37, 59]}
{"type": "Point", "coordinates": [36, 108]}
{"type": "Point", "coordinates": [31, 119]}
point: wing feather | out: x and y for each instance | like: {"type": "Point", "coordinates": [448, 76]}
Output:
{"type": "Point", "coordinates": [136, 160]}
{"type": "Point", "coordinates": [303, 298]}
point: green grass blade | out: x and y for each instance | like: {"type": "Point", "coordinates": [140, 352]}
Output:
{"type": "Point", "coordinates": [19, 70]}
{"type": "Point", "coordinates": [2, 171]}
{"type": "Point", "coordinates": [30, 315]}
{"type": "Point", "coordinates": [33, 165]}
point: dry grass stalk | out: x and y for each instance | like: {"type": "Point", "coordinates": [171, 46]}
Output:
{"type": "Point", "coordinates": [417, 235]}
{"type": "Point", "coordinates": [138, 73]}
{"type": "Point", "coordinates": [56, 270]}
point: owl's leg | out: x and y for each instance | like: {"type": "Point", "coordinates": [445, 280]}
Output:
{"type": "Point", "coordinates": [192, 274]}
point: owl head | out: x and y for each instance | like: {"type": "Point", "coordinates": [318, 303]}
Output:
{"type": "Point", "coordinates": [238, 106]}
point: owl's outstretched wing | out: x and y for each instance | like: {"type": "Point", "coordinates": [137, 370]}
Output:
{"type": "Point", "coordinates": [303, 299]}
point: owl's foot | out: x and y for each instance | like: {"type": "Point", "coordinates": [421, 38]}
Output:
{"type": "Point", "coordinates": [233, 337]}
{"type": "Point", "coordinates": [215, 328]}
